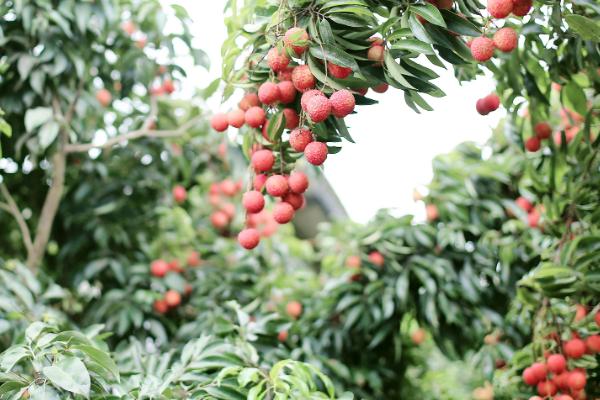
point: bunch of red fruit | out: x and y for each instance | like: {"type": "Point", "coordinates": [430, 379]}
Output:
{"type": "Point", "coordinates": [160, 268]}
{"type": "Point", "coordinates": [487, 104]}
{"type": "Point", "coordinates": [533, 213]}
{"type": "Point", "coordinates": [224, 210]}
{"type": "Point", "coordinates": [542, 131]}
{"type": "Point", "coordinates": [504, 39]}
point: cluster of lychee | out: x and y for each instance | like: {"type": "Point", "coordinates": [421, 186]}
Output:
{"type": "Point", "coordinates": [542, 131]}
{"type": "Point", "coordinates": [488, 104]}
{"type": "Point", "coordinates": [130, 28]}
{"type": "Point", "coordinates": [219, 195]}
{"type": "Point", "coordinates": [354, 262]}
{"type": "Point", "coordinates": [505, 39]}
{"type": "Point", "coordinates": [172, 298]}
{"type": "Point", "coordinates": [554, 374]}
{"type": "Point", "coordinates": [533, 212]}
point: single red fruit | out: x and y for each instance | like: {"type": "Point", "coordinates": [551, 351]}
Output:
{"type": "Point", "coordinates": [277, 185]}
{"type": "Point", "coordinates": [160, 306]}
{"type": "Point", "coordinates": [159, 268]}
{"type": "Point", "coordinates": [580, 312]}
{"type": "Point", "coordinates": [263, 160]}
{"type": "Point", "coordinates": [561, 380]}
{"type": "Point", "coordinates": [287, 92]}
{"type": "Point", "coordinates": [418, 336]}
{"type": "Point", "coordinates": [353, 262]}
{"type": "Point", "coordinates": [282, 336]}
{"type": "Point", "coordinates": [542, 130]}
{"type": "Point", "coordinates": [277, 60]}
{"type": "Point", "coordinates": [375, 41]}
{"type": "Point", "coordinates": [219, 122]}
{"type": "Point", "coordinates": [556, 363]}
{"type": "Point", "coordinates": [259, 182]}
{"type": "Point", "coordinates": [283, 212]}
{"type": "Point", "coordinates": [249, 238]}
{"type": "Point", "coordinates": [481, 107]}
{"type": "Point", "coordinates": [577, 380]}
{"type": "Point", "coordinates": [376, 54]}
{"type": "Point", "coordinates": [292, 119]}
{"type": "Point", "coordinates": [431, 212]}
{"type": "Point", "coordinates": [104, 97]}
{"type": "Point", "coordinates": [521, 7]}
{"type": "Point", "coordinates": [228, 187]}
{"type": "Point", "coordinates": [318, 108]}
{"type": "Point", "coordinates": [597, 318]}
{"type": "Point", "coordinates": [533, 218]}
{"type": "Point", "coordinates": [172, 298]}
{"type": "Point", "coordinates": [268, 93]}
{"type": "Point", "coordinates": [294, 309]}
{"type": "Point", "coordinates": [193, 259]}
{"type": "Point", "coordinates": [592, 344]}
{"type": "Point", "coordinates": [316, 153]}
{"type": "Point", "coordinates": [302, 78]}
{"type": "Point", "coordinates": [298, 182]}
{"type": "Point", "coordinates": [337, 71]}
{"type": "Point", "coordinates": [376, 258]}
{"type": "Point", "coordinates": [248, 101]}
{"type": "Point", "coordinates": [499, 8]}
{"type": "Point", "coordinates": [253, 201]}
{"type": "Point", "coordinates": [362, 91]}
{"type": "Point", "coordinates": [381, 88]}
{"type": "Point", "coordinates": [482, 48]}
{"type": "Point", "coordinates": [219, 219]}
{"type": "Point", "coordinates": [128, 27]}
{"type": "Point", "coordinates": [296, 200]}
{"type": "Point", "coordinates": [546, 388]}
{"type": "Point", "coordinates": [296, 38]}
{"type": "Point", "coordinates": [574, 348]}
{"type": "Point", "coordinates": [524, 204]}
{"type": "Point", "coordinates": [342, 103]}
{"type": "Point", "coordinates": [236, 118]}
{"type": "Point", "coordinates": [285, 75]}
{"type": "Point", "coordinates": [300, 138]}
{"type": "Point", "coordinates": [255, 117]}
{"type": "Point", "coordinates": [540, 370]}
{"type": "Point", "coordinates": [533, 144]}
{"type": "Point", "coordinates": [179, 194]}
{"type": "Point", "coordinates": [506, 39]}
{"type": "Point", "coordinates": [306, 96]}
{"type": "Point", "coordinates": [168, 86]}
{"type": "Point", "coordinates": [529, 377]}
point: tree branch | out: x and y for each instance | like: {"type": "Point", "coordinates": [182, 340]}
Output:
{"type": "Point", "coordinates": [11, 207]}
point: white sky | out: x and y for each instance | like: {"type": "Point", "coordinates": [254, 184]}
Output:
{"type": "Point", "coordinates": [394, 145]}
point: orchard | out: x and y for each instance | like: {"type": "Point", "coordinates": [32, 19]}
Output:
{"type": "Point", "coordinates": [154, 239]}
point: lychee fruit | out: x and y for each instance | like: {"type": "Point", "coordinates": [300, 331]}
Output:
{"type": "Point", "coordinates": [337, 71]}
{"type": "Point", "coordinates": [300, 138]}
{"type": "Point", "coordinates": [294, 199]}
{"type": "Point", "coordinates": [159, 268]}
{"type": "Point", "coordinates": [283, 212]}
{"type": "Point", "coordinates": [505, 39]}
{"type": "Point", "coordinates": [285, 75]}
{"type": "Point", "coordinates": [219, 220]}
{"type": "Point", "coordinates": [418, 336]}
{"type": "Point", "coordinates": [376, 258]}
{"type": "Point", "coordinates": [489, 103]}
{"type": "Point", "coordinates": [253, 201]}
{"type": "Point", "coordinates": [362, 91]}
{"type": "Point", "coordinates": [193, 259]}
{"type": "Point", "coordinates": [431, 212]}
{"type": "Point", "coordinates": [128, 27]}
{"type": "Point", "coordinates": [268, 93]}
{"type": "Point", "coordinates": [168, 86]}
{"type": "Point", "coordinates": [376, 54]}
{"type": "Point", "coordinates": [532, 144]}
{"type": "Point", "coordinates": [542, 130]}
{"type": "Point", "coordinates": [316, 153]}
{"type": "Point", "coordinates": [577, 380]}
{"type": "Point", "coordinates": [546, 388]}
{"type": "Point", "coordinates": [228, 187]}
{"type": "Point", "coordinates": [255, 117]}
{"type": "Point", "coordinates": [318, 108]}
{"type": "Point", "coordinates": [533, 218]}
{"type": "Point", "coordinates": [540, 370]}
{"type": "Point", "coordinates": [296, 39]}
{"type": "Point", "coordinates": [249, 238]}
{"type": "Point", "coordinates": [580, 312]}
{"type": "Point", "coordinates": [236, 118]}
{"type": "Point", "coordinates": [262, 160]}
{"type": "Point", "coordinates": [375, 41]}
{"type": "Point", "coordinates": [287, 92]}
{"type": "Point", "coordinates": [592, 344]}
{"type": "Point", "coordinates": [172, 298]}
{"type": "Point", "coordinates": [294, 309]}
{"type": "Point", "coordinates": [104, 97]}
{"type": "Point", "coordinates": [277, 60]}
{"type": "Point", "coordinates": [521, 7]}
{"type": "Point", "coordinates": [298, 182]}
{"type": "Point", "coordinates": [574, 348]}
{"type": "Point", "coordinates": [524, 204]}
{"type": "Point", "coordinates": [342, 103]}
{"type": "Point", "coordinates": [292, 119]}
{"type": "Point", "coordinates": [179, 194]}
{"type": "Point", "coordinates": [282, 336]}
{"type": "Point", "coordinates": [277, 185]}
{"type": "Point", "coordinates": [500, 8]}
{"type": "Point", "coordinates": [353, 262]}
{"type": "Point", "coordinates": [249, 100]}
{"type": "Point", "coordinates": [556, 363]}
{"type": "Point", "coordinates": [529, 377]}
{"type": "Point", "coordinates": [160, 306]}
{"type": "Point", "coordinates": [219, 122]}
{"type": "Point", "coordinates": [259, 182]}
{"type": "Point", "coordinates": [482, 48]}
{"type": "Point", "coordinates": [381, 88]}
{"type": "Point", "coordinates": [444, 4]}
{"type": "Point", "coordinates": [302, 78]}
{"type": "Point", "coordinates": [306, 96]}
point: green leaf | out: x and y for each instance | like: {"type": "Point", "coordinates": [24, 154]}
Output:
{"type": "Point", "coordinates": [276, 127]}
{"type": "Point", "coordinates": [101, 358]}
{"type": "Point", "coordinates": [335, 55]}
{"type": "Point", "coordinates": [574, 98]}
{"type": "Point", "coordinates": [396, 71]}
{"type": "Point", "coordinates": [585, 27]}
{"type": "Point", "coordinates": [430, 13]}
{"type": "Point", "coordinates": [12, 356]}
{"type": "Point", "coordinates": [48, 133]}
{"type": "Point", "coordinates": [37, 116]}
{"type": "Point", "coordinates": [69, 374]}
{"type": "Point", "coordinates": [413, 45]}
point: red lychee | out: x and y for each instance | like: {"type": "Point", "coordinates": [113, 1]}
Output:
{"type": "Point", "coordinates": [219, 220]}
{"type": "Point", "coordinates": [104, 97]}
{"type": "Point", "coordinates": [418, 336]}
{"type": "Point", "coordinates": [342, 103]}
{"type": "Point", "coordinates": [282, 336]}
{"type": "Point", "coordinates": [172, 298]}
{"type": "Point", "coordinates": [482, 48]}
{"type": "Point", "coordinates": [546, 388]}
{"type": "Point", "coordinates": [500, 8]}
{"type": "Point", "coordinates": [277, 60]}
{"type": "Point", "coordinates": [300, 138]}
{"type": "Point", "coordinates": [492, 102]}
{"type": "Point", "coordinates": [259, 182]}
{"type": "Point", "coordinates": [159, 268]}
{"type": "Point", "coordinates": [318, 108]}
{"type": "Point", "coordinates": [529, 377]}
{"type": "Point", "coordinates": [506, 39]}
{"type": "Point", "coordinates": [286, 74]}
{"type": "Point", "coordinates": [268, 93]}
{"type": "Point", "coordinates": [533, 218]}
{"type": "Point", "coordinates": [249, 100]}
{"type": "Point", "coordinates": [524, 204]}
{"type": "Point", "coordinates": [193, 259]}
{"type": "Point", "coordinates": [574, 348]}
{"type": "Point", "coordinates": [292, 119]}
{"type": "Point", "coordinates": [253, 201]}
{"type": "Point", "coordinates": [376, 54]}
{"type": "Point", "coordinates": [160, 306]}
{"type": "Point", "coordinates": [337, 71]}
{"type": "Point", "coordinates": [228, 187]}
{"type": "Point", "coordinates": [577, 380]}
{"type": "Point", "coordinates": [296, 39]}
{"type": "Point", "coordinates": [444, 4]}
{"type": "Point", "coordinates": [128, 27]}
{"type": "Point", "coordinates": [532, 144]}
{"type": "Point", "coordinates": [294, 309]}
{"type": "Point", "coordinates": [179, 194]}
{"type": "Point", "coordinates": [219, 122]}
{"type": "Point", "coordinates": [168, 86]}
{"type": "Point", "coordinates": [556, 363]}
{"type": "Point", "coordinates": [316, 153]}
{"type": "Point", "coordinates": [375, 41]}
{"type": "Point", "coordinates": [294, 199]}
{"type": "Point", "coordinates": [302, 78]}
{"type": "Point", "coordinates": [255, 117]}
{"type": "Point", "coordinates": [263, 160]}
{"type": "Point", "coordinates": [353, 262]}
{"type": "Point", "coordinates": [298, 182]}
{"type": "Point", "coordinates": [283, 212]}
{"type": "Point", "coordinates": [306, 96]}
{"type": "Point", "coordinates": [277, 185]}
{"type": "Point", "coordinates": [236, 118]}
{"type": "Point", "coordinates": [249, 238]}
{"type": "Point", "coordinates": [431, 212]}
{"type": "Point", "coordinates": [521, 7]}
{"type": "Point", "coordinates": [381, 88]}
{"type": "Point", "coordinates": [376, 258]}
{"type": "Point", "coordinates": [580, 312]}
{"type": "Point", "coordinates": [542, 130]}
{"type": "Point", "coordinates": [287, 92]}
{"type": "Point", "coordinates": [540, 370]}
{"type": "Point", "coordinates": [592, 344]}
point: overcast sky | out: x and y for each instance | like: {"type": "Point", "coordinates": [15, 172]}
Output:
{"type": "Point", "coordinates": [394, 145]}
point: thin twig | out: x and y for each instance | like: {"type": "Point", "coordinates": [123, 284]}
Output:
{"type": "Point", "coordinates": [11, 207]}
